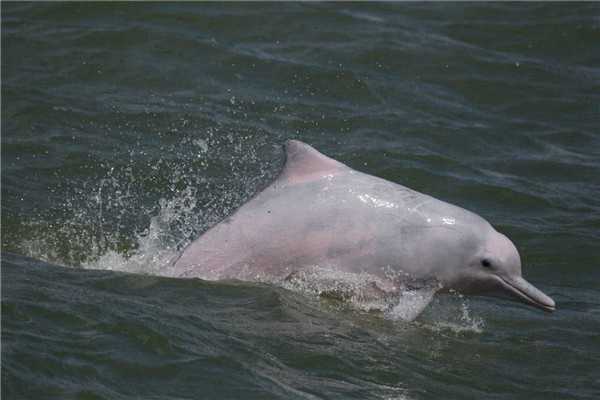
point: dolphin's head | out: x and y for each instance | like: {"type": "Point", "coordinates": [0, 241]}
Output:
{"type": "Point", "coordinates": [493, 267]}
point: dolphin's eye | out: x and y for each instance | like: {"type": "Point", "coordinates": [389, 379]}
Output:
{"type": "Point", "coordinates": [486, 263]}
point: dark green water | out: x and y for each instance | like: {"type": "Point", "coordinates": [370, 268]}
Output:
{"type": "Point", "coordinates": [129, 129]}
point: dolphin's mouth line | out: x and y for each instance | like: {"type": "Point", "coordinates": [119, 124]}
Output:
{"type": "Point", "coordinates": [525, 296]}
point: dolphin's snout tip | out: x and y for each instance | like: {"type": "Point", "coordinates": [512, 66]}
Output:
{"type": "Point", "coordinates": [541, 299]}
{"type": "Point", "coordinates": [527, 293]}
{"type": "Point", "coordinates": [548, 305]}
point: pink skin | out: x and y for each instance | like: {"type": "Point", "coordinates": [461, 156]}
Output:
{"type": "Point", "coordinates": [321, 212]}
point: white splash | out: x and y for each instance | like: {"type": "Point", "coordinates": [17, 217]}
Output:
{"type": "Point", "coordinates": [452, 313]}
{"type": "Point", "coordinates": [154, 252]}
{"type": "Point", "coordinates": [362, 291]}
{"type": "Point", "coordinates": [142, 211]}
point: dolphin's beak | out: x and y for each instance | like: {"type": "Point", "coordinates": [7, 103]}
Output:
{"type": "Point", "coordinates": [526, 292]}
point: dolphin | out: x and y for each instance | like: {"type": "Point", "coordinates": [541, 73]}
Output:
{"type": "Point", "coordinates": [319, 211]}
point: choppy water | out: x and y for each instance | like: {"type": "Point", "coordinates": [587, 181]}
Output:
{"type": "Point", "coordinates": [129, 129]}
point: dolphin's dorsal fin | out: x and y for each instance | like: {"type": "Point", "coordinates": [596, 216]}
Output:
{"type": "Point", "coordinates": [303, 163]}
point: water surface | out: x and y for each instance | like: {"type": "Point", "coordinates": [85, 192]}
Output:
{"type": "Point", "coordinates": [128, 130]}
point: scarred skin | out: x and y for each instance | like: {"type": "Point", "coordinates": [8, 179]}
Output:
{"type": "Point", "coordinates": [320, 212]}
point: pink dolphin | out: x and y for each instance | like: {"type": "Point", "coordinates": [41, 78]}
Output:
{"type": "Point", "coordinates": [320, 212]}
